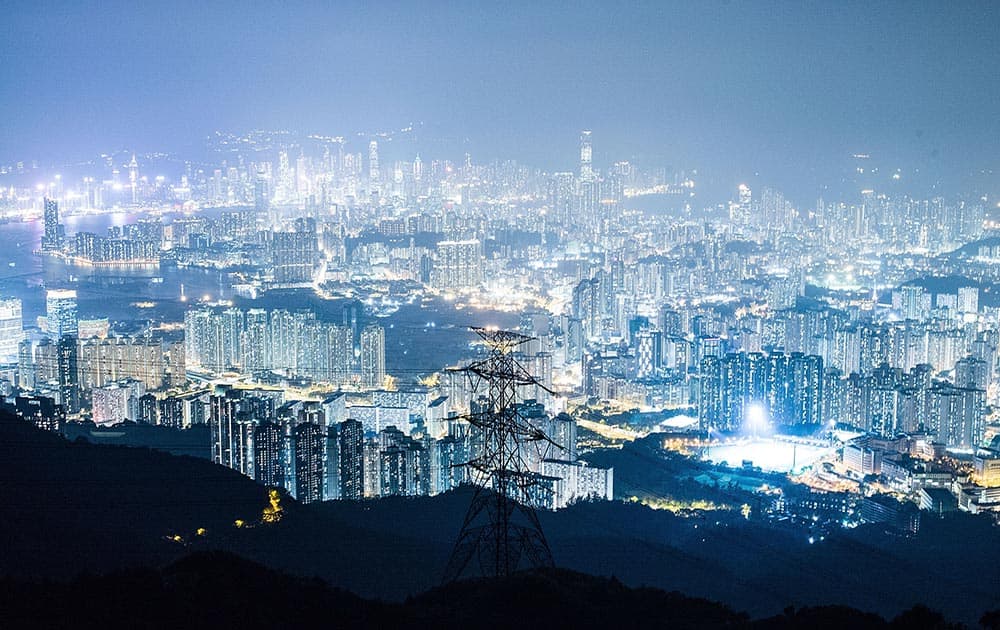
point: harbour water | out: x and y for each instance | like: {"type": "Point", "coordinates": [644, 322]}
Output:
{"type": "Point", "coordinates": [420, 338]}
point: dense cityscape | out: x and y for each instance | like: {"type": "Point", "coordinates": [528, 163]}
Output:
{"type": "Point", "coordinates": [742, 330]}
{"type": "Point", "coordinates": [701, 298]}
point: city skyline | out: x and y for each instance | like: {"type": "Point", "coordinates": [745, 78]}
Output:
{"type": "Point", "coordinates": [905, 86]}
{"type": "Point", "coordinates": [703, 297]}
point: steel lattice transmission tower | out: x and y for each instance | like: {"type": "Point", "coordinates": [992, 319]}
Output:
{"type": "Point", "coordinates": [501, 527]}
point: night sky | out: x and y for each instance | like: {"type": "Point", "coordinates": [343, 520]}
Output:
{"type": "Point", "coordinates": [783, 92]}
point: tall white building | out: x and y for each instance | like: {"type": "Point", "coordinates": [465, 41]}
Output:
{"type": "Point", "coordinates": [374, 175]}
{"type": "Point", "coordinates": [586, 155]}
{"type": "Point", "coordinates": [372, 356]}
{"type": "Point", "coordinates": [60, 313]}
{"type": "Point", "coordinates": [11, 329]}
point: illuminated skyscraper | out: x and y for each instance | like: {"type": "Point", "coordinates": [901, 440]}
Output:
{"type": "Point", "coordinates": [590, 190]}
{"type": "Point", "coordinates": [309, 454]}
{"type": "Point", "coordinates": [60, 313]}
{"type": "Point", "coordinates": [67, 370]}
{"type": "Point", "coordinates": [372, 356]}
{"type": "Point", "coordinates": [255, 344]}
{"type": "Point", "coordinates": [133, 180]}
{"type": "Point", "coordinates": [351, 438]}
{"type": "Point", "coordinates": [374, 176]}
{"type": "Point", "coordinates": [52, 237]}
{"type": "Point", "coordinates": [586, 166]}
{"type": "Point", "coordinates": [11, 330]}
{"type": "Point", "coordinates": [418, 169]}
{"type": "Point", "coordinates": [268, 443]}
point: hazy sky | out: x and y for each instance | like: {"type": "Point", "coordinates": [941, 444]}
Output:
{"type": "Point", "coordinates": [786, 89]}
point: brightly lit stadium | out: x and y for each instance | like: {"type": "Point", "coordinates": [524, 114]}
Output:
{"type": "Point", "coordinates": [759, 446]}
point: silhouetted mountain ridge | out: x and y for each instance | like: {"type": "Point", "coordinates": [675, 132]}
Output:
{"type": "Point", "coordinates": [77, 507]}
{"type": "Point", "coordinates": [220, 590]}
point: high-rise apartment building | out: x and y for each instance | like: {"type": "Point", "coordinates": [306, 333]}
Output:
{"type": "Point", "coordinates": [458, 265]}
{"type": "Point", "coordinates": [52, 237]}
{"type": "Point", "coordinates": [11, 330]}
{"type": "Point", "coordinates": [372, 356]}
{"type": "Point", "coordinates": [60, 313]}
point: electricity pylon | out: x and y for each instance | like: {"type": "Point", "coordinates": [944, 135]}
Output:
{"type": "Point", "coordinates": [501, 527]}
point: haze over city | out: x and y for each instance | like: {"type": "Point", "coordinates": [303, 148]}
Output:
{"type": "Point", "coordinates": [786, 90]}
{"type": "Point", "coordinates": [555, 314]}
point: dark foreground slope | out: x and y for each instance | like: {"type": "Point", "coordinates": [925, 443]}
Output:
{"type": "Point", "coordinates": [218, 590]}
{"type": "Point", "coordinates": [72, 507]}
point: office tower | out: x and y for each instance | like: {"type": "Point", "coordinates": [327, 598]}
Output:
{"type": "Point", "coordinates": [418, 169]}
{"type": "Point", "coordinates": [61, 317]}
{"type": "Point", "coordinates": [589, 191]}
{"type": "Point", "coordinates": [67, 371]}
{"type": "Point", "coordinates": [457, 265]}
{"type": "Point", "coordinates": [351, 440]}
{"type": "Point", "coordinates": [372, 356]}
{"type": "Point", "coordinates": [52, 236]}
{"type": "Point", "coordinates": [286, 190]}
{"type": "Point", "coordinates": [11, 330]}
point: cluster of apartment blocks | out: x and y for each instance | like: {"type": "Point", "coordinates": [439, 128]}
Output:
{"type": "Point", "coordinates": [383, 443]}
{"type": "Point", "coordinates": [258, 341]}
{"type": "Point", "coordinates": [106, 374]}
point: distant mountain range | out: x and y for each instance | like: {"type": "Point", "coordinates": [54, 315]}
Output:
{"type": "Point", "coordinates": [73, 508]}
